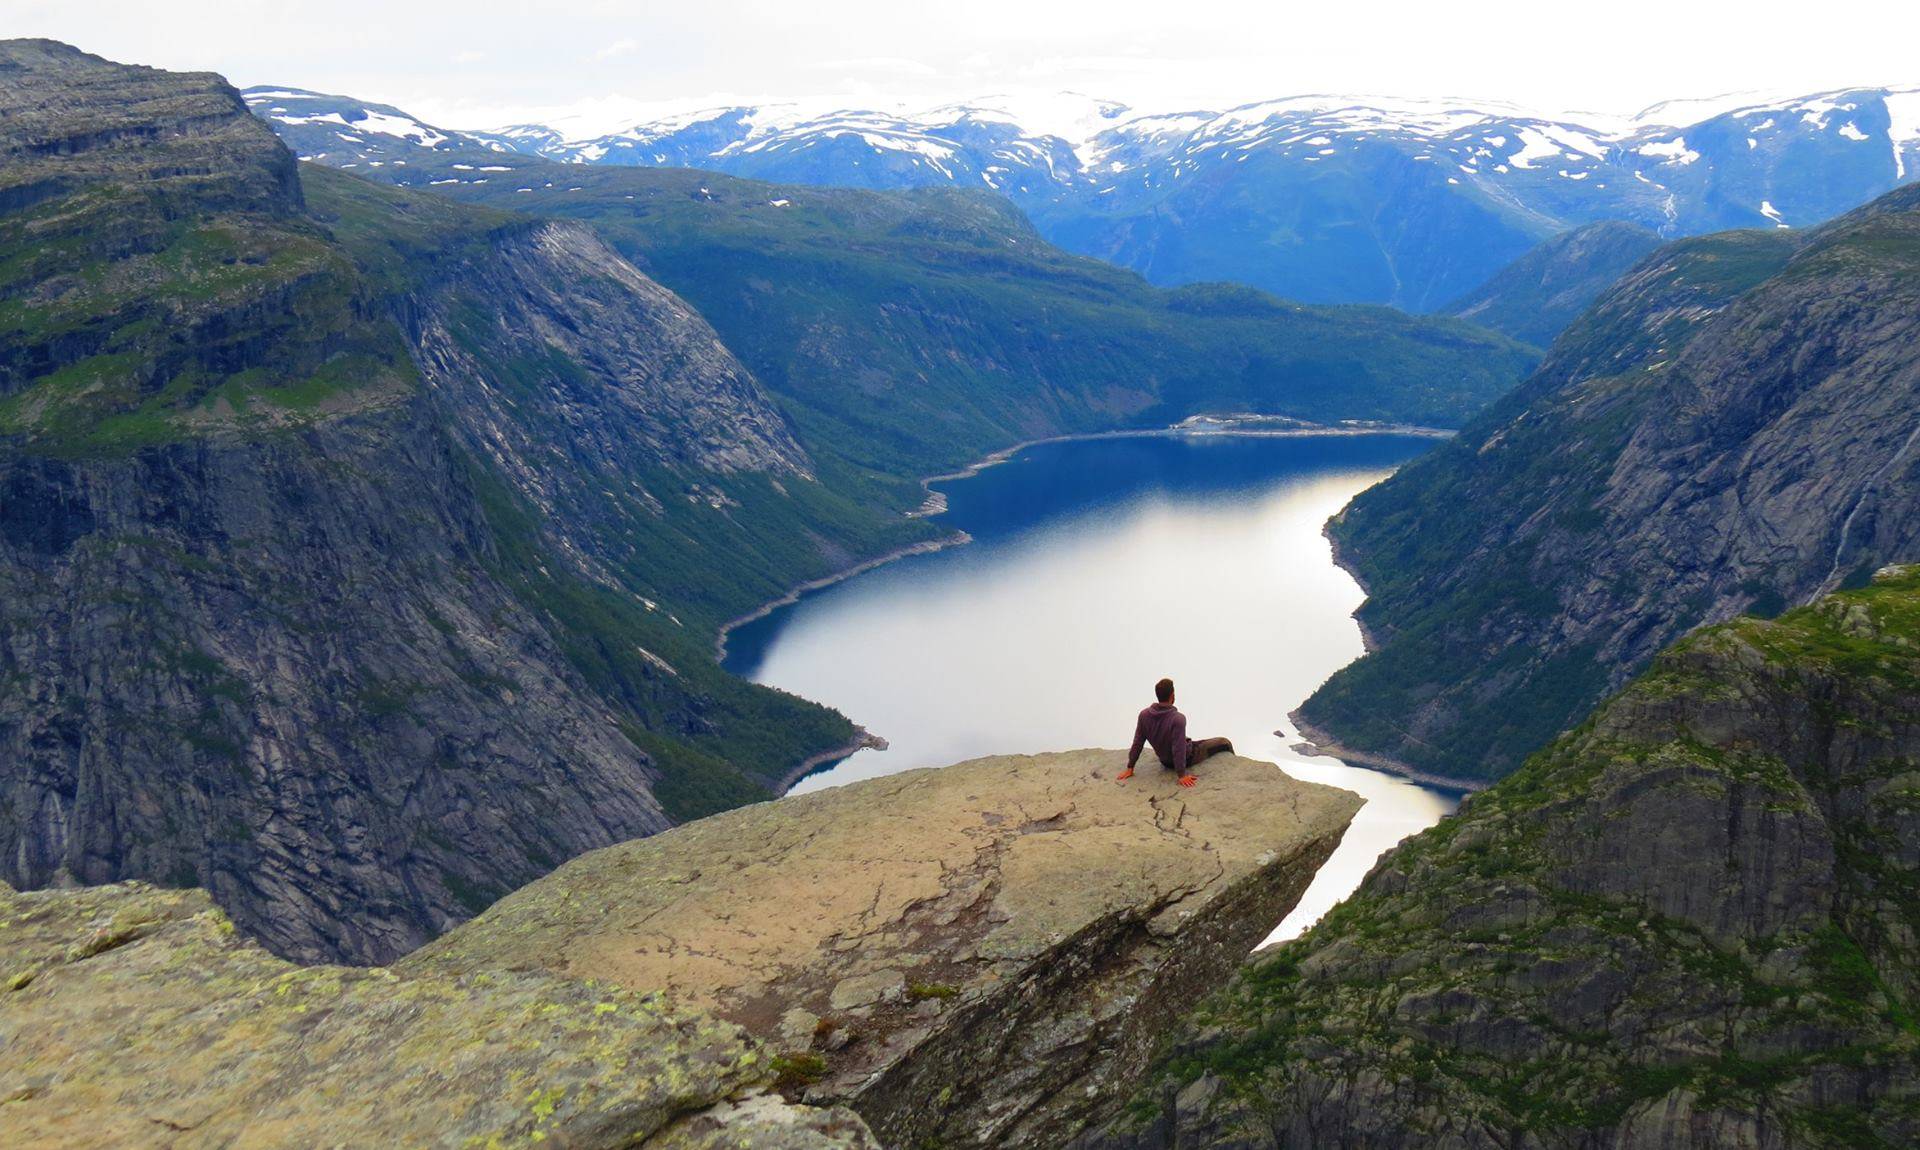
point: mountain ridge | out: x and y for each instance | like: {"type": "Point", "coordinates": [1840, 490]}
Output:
{"type": "Point", "coordinates": [290, 612]}
{"type": "Point", "coordinates": [1316, 198]}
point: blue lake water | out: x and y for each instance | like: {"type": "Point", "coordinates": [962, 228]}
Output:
{"type": "Point", "coordinates": [1097, 567]}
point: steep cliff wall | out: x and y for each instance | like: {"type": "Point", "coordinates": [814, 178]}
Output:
{"type": "Point", "coordinates": [359, 552]}
{"type": "Point", "coordinates": [1736, 426]}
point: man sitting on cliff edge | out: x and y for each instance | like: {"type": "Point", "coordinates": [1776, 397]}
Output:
{"type": "Point", "coordinates": [1165, 727]}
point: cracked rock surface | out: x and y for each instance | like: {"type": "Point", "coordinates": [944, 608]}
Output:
{"type": "Point", "coordinates": [979, 955]}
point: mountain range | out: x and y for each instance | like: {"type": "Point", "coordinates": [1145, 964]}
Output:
{"type": "Point", "coordinates": [1334, 199]}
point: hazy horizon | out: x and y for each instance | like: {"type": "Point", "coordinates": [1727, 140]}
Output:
{"type": "Point", "coordinates": [492, 63]}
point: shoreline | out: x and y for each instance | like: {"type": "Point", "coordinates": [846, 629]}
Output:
{"type": "Point", "coordinates": [794, 593]}
{"type": "Point", "coordinates": [1194, 427]}
{"type": "Point", "coordinates": [1318, 742]}
{"type": "Point", "coordinates": [936, 503]}
{"type": "Point", "coordinates": [863, 740]}
{"type": "Point", "coordinates": [1368, 645]}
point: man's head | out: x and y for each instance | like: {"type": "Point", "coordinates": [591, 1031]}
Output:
{"type": "Point", "coordinates": [1163, 690]}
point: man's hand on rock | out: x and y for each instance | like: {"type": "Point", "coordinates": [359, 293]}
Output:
{"type": "Point", "coordinates": [1123, 776]}
{"type": "Point", "coordinates": [1188, 780]}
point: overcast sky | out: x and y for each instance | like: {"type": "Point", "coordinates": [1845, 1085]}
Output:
{"type": "Point", "coordinates": [486, 62]}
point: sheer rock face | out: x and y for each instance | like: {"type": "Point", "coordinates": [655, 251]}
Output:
{"type": "Point", "coordinates": [1735, 426]}
{"type": "Point", "coordinates": [280, 670]}
{"type": "Point", "coordinates": [284, 479]}
{"type": "Point", "coordinates": [1690, 923]}
{"type": "Point", "coordinates": [73, 118]}
{"type": "Point", "coordinates": [980, 955]}
{"type": "Point", "coordinates": [131, 1016]}
{"type": "Point", "coordinates": [651, 382]}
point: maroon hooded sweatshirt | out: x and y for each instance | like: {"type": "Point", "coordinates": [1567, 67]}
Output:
{"type": "Point", "coordinates": [1166, 728]}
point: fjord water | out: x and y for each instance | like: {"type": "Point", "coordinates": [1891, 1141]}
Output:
{"type": "Point", "coordinates": [1097, 567]}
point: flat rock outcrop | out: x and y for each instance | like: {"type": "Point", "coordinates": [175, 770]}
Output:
{"type": "Point", "coordinates": [981, 955]}
{"type": "Point", "coordinates": [136, 1016]}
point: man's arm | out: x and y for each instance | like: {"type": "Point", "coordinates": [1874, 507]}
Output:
{"type": "Point", "coordinates": [1180, 745]}
{"type": "Point", "coordinates": [1139, 740]}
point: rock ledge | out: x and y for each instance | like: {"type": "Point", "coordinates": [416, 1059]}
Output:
{"type": "Point", "coordinates": [979, 955]}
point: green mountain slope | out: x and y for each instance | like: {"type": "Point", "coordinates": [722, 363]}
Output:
{"type": "Point", "coordinates": [1733, 427]}
{"type": "Point", "coordinates": [907, 332]}
{"type": "Point", "coordinates": [1535, 297]}
{"type": "Point", "coordinates": [360, 552]}
{"type": "Point", "coordinates": [1688, 923]}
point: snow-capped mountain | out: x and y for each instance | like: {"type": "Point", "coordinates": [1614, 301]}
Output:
{"type": "Point", "coordinates": [1325, 198]}
{"type": "Point", "coordinates": [1020, 146]}
{"type": "Point", "coordinates": [347, 133]}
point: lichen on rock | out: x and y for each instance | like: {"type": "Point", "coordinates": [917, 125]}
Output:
{"type": "Point", "coordinates": [136, 1016]}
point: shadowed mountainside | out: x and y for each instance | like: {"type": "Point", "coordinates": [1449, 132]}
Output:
{"type": "Point", "coordinates": [1732, 428]}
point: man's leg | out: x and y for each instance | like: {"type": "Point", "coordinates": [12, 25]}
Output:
{"type": "Point", "coordinates": [1201, 750]}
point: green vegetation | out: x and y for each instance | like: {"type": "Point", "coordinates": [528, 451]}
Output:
{"type": "Point", "coordinates": [793, 1071]}
{"type": "Point", "coordinates": [922, 991]}
{"type": "Point", "coordinates": [129, 323]}
{"type": "Point", "coordinates": [1534, 298]}
{"type": "Point", "coordinates": [909, 332]}
{"type": "Point", "coordinates": [716, 740]}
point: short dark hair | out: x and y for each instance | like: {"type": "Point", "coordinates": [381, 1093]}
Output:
{"type": "Point", "coordinates": [1163, 690]}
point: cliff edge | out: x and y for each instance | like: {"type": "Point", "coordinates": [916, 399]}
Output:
{"type": "Point", "coordinates": [980, 955]}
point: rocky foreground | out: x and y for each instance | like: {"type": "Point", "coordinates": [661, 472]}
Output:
{"type": "Point", "coordinates": [1691, 922]}
{"type": "Point", "coordinates": [982, 955]}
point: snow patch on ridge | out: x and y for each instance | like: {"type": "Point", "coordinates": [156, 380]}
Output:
{"type": "Point", "coordinates": [1674, 151]}
{"type": "Point", "coordinates": [1903, 114]}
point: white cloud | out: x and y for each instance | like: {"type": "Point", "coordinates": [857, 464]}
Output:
{"type": "Point", "coordinates": [625, 46]}
{"type": "Point", "coordinates": [888, 65]}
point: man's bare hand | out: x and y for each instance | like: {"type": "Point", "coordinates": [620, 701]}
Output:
{"type": "Point", "coordinates": [1188, 780]}
{"type": "Point", "coordinates": [1123, 776]}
